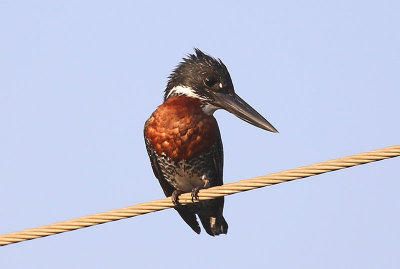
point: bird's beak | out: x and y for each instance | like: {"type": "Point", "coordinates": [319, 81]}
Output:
{"type": "Point", "coordinates": [237, 106]}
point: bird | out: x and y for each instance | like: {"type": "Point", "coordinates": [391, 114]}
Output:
{"type": "Point", "coordinates": [183, 140]}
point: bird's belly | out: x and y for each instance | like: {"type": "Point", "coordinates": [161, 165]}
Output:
{"type": "Point", "coordinates": [186, 178]}
{"type": "Point", "coordinates": [187, 184]}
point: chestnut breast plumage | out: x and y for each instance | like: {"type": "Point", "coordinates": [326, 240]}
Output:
{"type": "Point", "coordinates": [180, 129]}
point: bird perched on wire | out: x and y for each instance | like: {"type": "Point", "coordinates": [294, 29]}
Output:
{"type": "Point", "coordinates": [183, 139]}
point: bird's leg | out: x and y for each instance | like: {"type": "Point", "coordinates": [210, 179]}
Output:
{"type": "Point", "coordinates": [174, 197]}
{"type": "Point", "coordinates": [195, 190]}
{"type": "Point", "coordinates": [195, 193]}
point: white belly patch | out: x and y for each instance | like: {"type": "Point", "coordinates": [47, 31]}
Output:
{"type": "Point", "coordinates": [186, 179]}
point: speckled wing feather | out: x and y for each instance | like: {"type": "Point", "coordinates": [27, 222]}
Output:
{"type": "Point", "coordinates": [187, 215]}
{"type": "Point", "coordinates": [218, 160]}
{"type": "Point", "coordinates": [211, 214]}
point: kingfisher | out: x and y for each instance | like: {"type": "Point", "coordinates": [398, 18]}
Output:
{"type": "Point", "coordinates": [183, 140]}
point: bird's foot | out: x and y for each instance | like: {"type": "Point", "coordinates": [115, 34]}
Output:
{"type": "Point", "coordinates": [174, 197]}
{"type": "Point", "coordinates": [195, 191]}
{"type": "Point", "coordinates": [195, 194]}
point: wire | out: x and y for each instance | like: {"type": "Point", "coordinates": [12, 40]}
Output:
{"type": "Point", "coordinates": [205, 194]}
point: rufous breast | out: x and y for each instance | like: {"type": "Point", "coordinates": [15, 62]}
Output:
{"type": "Point", "coordinates": [180, 129]}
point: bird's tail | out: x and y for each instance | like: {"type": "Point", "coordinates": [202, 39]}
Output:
{"type": "Point", "coordinates": [211, 217]}
{"type": "Point", "coordinates": [210, 214]}
{"type": "Point", "coordinates": [189, 217]}
{"type": "Point", "coordinates": [214, 225]}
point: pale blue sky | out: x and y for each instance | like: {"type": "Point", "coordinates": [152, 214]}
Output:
{"type": "Point", "coordinates": [79, 79]}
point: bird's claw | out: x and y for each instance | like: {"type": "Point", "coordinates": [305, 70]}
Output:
{"type": "Point", "coordinates": [175, 196]}
{"type": "Point", "coordinates": [195, 190]}
{"type": "Point", "coordinates": [195, 194]}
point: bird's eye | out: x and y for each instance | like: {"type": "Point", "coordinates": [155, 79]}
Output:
{"type": "Point", "coordinates": [209, 82]}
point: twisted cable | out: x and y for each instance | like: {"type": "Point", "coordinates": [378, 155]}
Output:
{"type": "Point", "coordinates": [205, 194]}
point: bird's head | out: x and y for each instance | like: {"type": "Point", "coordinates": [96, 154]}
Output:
{"type": "Point", "coordinates": [206, 78]}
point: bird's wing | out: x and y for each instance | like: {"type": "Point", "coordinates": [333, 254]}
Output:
{"type": "Point", "coordinates": [211, 215]}
{"type": "Point", "coordinates": [187, 215]}
{"type": "Point", "coordinates": [218, 161]}
{"type": "Point", "coordinates": [167, 188]}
